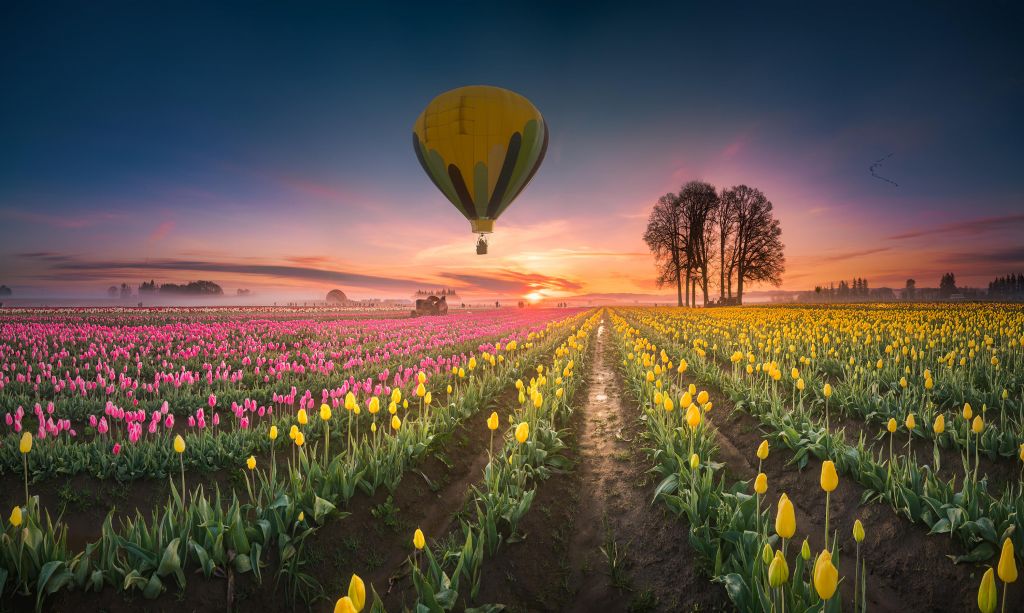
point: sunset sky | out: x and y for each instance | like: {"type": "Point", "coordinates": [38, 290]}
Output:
{"type": "Point", "coordinates": [268, 146]}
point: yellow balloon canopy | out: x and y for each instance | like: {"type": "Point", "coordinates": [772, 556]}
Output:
{"type": "Point", "coordinates": [480, 145]}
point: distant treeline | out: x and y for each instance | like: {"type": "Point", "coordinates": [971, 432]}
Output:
{"type": "Point", "coordinates": [193, 288]}
{"type": "Point", "coordinates": [1010, 287]}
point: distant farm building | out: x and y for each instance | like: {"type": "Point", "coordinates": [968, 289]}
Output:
{"type": "Point", "coordinates": [337, 297]}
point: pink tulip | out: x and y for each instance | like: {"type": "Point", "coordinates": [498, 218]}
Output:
{"type": "Point", "coordinates": [117, 449]}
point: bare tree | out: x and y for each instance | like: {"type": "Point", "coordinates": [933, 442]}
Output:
{"type": "Point", "coordinates": [726, 222]}
{"type": "Point", "coordinates": [757, 239]}
{"type": "Point", "coordinates": [668, 244]}
{"type": "Point", "coordinates": [700, 208]}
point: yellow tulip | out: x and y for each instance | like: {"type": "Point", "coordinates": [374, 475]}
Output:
{"type": "Point", "coordinates": [300, 439]}
{"type": "Point", "coordinates": [357, 592]}
{"type": "Point", "coordinates": [685, 400]}
{"type": "Point", "coordinates": [421, 390]}
{"type": "Point", "coordinates": [978, 424]}
{"type": "Point", "coordinates": [778, 571]}
{"type": "Point", "coordinates": [492, 421]}
{"type": "Point", "coordinates": [25, 445]}
{"type": "Point", "coordinates": [987, 597]}
{"type": "Point", "coordinates": [693, 416]}
{"type": "Point", "coordinates": [694, 462]}
{"type": "Point", "coordinates": [374, 406]}
{"type": "Point", "coordinates": [179, 444]}
{"type": "Point", "coordinates": [449, 390]}
{"type": "Point", "coordinates": [421, 377]}
{"type": "Point", "coordinates": [785, 519]}
{"type": "Point", "coordinates": [829, 478]}
{"type": "Point", "coordinates": [344, 605]}
{"type": "Point", "coordinates": [762, 451]}
{"type": "Point", "coordinates": [251, 462]}
{"type": "Point", "coordinates": [325, 411]}
{"type": "Point", "coordinates": [968, 413]}
{"type": "Point", "coordinates": [761, 483]}
{"type": "Point", "coordinates": [293, 431]}
{"type": "Point", "coordinates": [858, 531]}
{"type": "Point", "coordinates": [522, 432]}
{"type": "Point", "coordinates": [767, 554]}
{"type": "Point", "coordinates": [1007, 563]}
{"type": "Point", "coordinates": [891, 426]}
{"type": "Point", "coordinates": [940, 424]}
{"type": "Point", "coordinates": [396, 395]}
{"type": "Point", "coordinates": [427, 398]}
{"type": "Point", "coordinates": [826, 576]}
{"type": "Point", "coordinates": [692, 389]}
{"type": "Point", "coordinates": [350, 401]}
{"type": "Point", "coordinates": [395, 422]}
{"type": "Point", "coordinates": [828, 391]}
{"type": "Point", "coordinates": [273, 433]}
{"type": "Point", "coordinates": [702, 397]}
{"type": "Point", "coordinates": [800, 384]}
{"type": "Point", "coordinates": [910, 422]}
{"type": "Point", "coordinates": [668, 404]}
{"type": "Point", "coordinates": [303, 418]}
{"type": "Point", "coordinates": [805, 551]}
{"type": "Point", "coordinates": [418, 541]}
{"type": "Point", "coordinates": [15, 517]}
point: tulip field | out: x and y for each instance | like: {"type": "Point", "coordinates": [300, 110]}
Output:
{"type": "Point", "coordinates": [859, 458]}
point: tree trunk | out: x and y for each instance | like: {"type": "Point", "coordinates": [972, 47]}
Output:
{"type": "Point", "coordinates": [687, 286]}
{"type": "Point", "coordinates": [721, 260]}
{"type": "Point", "coordinates": [739, 287]}
{"type": "Point", "coordinates": [704, 286]}
{"type": "Point", "coordinates": [679, 288]}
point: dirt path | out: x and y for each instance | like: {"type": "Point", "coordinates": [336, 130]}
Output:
{"type": "Point", "coordinates": [625, 553]}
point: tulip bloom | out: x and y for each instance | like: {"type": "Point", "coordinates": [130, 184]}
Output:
{"type": "Point", "coordinates": [826, 576]}
{"type": "Point", "coordinates": [1007, 567]}
{"type": "Point", "coordinates": [761, 483]}
{"type": "Point", "coordinates": [418, 540]}
{"type": "Point", "coordinates": [522, 432]}
{"type": "Point", "coordinates": [344, 605]}
{"type": "Point", "coordinates": [785, 518]}
{"type": "Point", "coordinates": [778, 571]}
{"type": "Point", "coordinates": [987, 597]}
{"type": "Point", "coordinates": [15, 518]}
{"type": "Point", "coordinates": [357, 593]}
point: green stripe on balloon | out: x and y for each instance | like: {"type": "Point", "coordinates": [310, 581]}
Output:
{"type": "Point", "coordinates": [526, 162]}
{"type": "Point", "coordinates": [501, 186]}
{"type": "Point", "coordinates": [480, 189]}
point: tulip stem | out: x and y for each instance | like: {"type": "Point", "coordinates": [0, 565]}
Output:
{"type": "Point", "coordinates": [827, 495]}
{"type": "Point", "coordinates": [24, 460]}
{"type": "Point", "coordinates": [181, 461]}
{"type": "Point", "coordinates": [856, 578]}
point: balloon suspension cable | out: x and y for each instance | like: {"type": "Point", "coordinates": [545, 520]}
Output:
{"type": "Point", "coordinates": [481, 245]}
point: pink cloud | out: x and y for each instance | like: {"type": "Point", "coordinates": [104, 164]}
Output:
{"type": "Point", "coordinates": [162, 230]}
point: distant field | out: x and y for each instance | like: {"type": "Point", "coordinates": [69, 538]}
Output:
{"type": "Point", "coordinates": [314, 442]}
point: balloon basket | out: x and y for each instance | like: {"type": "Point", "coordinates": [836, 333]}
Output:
{"type": "Point", "coordinates": [481, 245]}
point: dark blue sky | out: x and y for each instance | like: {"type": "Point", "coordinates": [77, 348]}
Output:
{"type": "Point", "coordinates": [272, 133]}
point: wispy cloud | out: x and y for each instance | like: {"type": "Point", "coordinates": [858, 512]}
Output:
{"type": "Point", "coordinates": [70, 222]}
{"type": "Point", "coordinates": [849, 255]}
{"type": "Point", "coordinates": [162, 230]}
{"type": "Point", "coordinates": [965, 227]}
{"type": "Point", "coordinates": [514, 282]}
{"type": "Point", "coordinates": [71, 269]}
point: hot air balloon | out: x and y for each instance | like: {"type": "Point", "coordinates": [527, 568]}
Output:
{"type": "Point", "coordinates": [480, 145]}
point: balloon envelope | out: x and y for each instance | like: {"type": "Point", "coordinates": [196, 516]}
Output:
{"type": "Point", "coordinates": [480, 145]}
